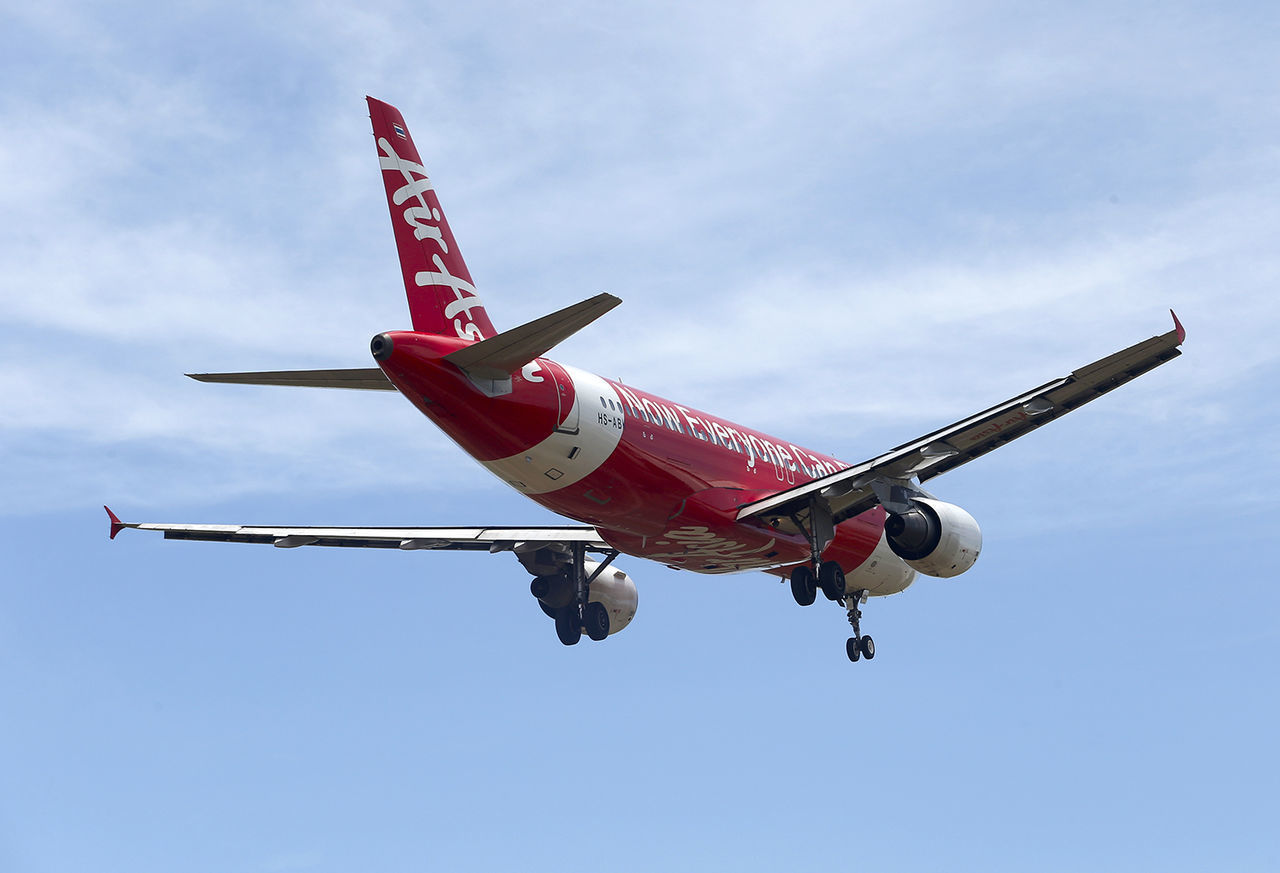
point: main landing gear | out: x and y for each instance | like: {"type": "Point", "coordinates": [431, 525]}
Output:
{"type": "Point", "coordinates": [566, 597]}
{"type": "Point", "coordinates": [571, 623]}
{"type": "Point", "coordinates": [805, 583]}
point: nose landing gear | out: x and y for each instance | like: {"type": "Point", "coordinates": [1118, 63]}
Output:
{"type": "Point", "coordinates": [858, 646]}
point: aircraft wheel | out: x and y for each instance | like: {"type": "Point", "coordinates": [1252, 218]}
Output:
{"type": "Point", "coordinates": [568, 627]}
{"type": "Point", "coordinates": [804, 585]}
{"type": "Point", "coordinates": [852, 649]}
{"type": "Point", "coordinates": [596, 618]}
{"type": "Point", "coordinates": [831, 579]}
{"type": "Point", "coordinates": [868, 647]}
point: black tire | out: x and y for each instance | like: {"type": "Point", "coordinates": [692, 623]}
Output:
{"type": "Point", "coordinates": [804, 585]}
{"type": "Point", "coordinates": [831, 579]}
{"type": "Point", "coordinates": [596, 619]}
{"type": "Point", "coordinates": [568, 627]}
{"type": "Point", "coordinates": [852, 650]}
{"type": "Point", "coordinates": [868, 647]}
{"type": "Point", "coordinates": [551, 613]}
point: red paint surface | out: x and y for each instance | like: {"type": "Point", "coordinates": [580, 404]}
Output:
{"type": "Point", "coordinates": [671, 488]}
{"type": "Point", "coordinates": [423, 238]}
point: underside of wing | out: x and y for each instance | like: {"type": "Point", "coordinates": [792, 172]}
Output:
{"type": "Point", "coordinates": [885, 479]}
{"type": "Point", "coordinates": [362, 379]}
{"type": "Point", "coordinates": [487, 539]}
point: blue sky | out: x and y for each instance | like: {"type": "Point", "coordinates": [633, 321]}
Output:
{"type": "Point", "coordinates": [845, 224]}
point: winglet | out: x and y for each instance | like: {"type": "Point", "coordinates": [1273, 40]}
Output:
{"type": "Point", "coordinates": [1177, 325]}
{"type": "Point", "coordinates": [116, 524]}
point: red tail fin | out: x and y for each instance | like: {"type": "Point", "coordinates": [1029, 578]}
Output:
{"type": "Point", "coordinates": [442, 298]}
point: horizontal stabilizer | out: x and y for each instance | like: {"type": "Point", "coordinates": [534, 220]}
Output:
{"type": "Point", "coordinates": [500, 356]}
{"type": "Point", "coordinates": [364, 379]}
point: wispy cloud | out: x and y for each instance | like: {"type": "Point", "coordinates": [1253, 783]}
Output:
{"type": "Point", "coordinates": [910, 208]}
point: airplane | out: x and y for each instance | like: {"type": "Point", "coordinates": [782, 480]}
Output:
{"type": "Point", "coordinates": [641, 475]}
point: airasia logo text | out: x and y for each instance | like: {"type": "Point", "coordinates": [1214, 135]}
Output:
{"type": "Point", "coordinates": [424, 220]}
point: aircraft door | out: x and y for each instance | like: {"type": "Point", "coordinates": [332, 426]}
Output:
{"type": "Point", "coordinates": [567, 396]}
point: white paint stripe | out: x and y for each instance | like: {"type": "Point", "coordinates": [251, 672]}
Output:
{"type": "Point", "coordinates": [547, 466]}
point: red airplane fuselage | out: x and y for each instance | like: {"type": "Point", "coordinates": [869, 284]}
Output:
{"type": "Point", "coordinates": [657, 479]}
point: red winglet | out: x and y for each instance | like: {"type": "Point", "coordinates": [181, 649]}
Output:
{"type": "Point", "coordinates": [116, 524]}
{"type": "Point", "coordinates": [1177, 325]}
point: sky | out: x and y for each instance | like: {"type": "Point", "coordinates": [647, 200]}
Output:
{"type": "Point", "coordinates": [845, 224]}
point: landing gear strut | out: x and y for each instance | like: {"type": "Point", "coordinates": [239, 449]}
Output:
{"type": "Point", "coordinates": [828, 576]}
{"type": "Point", "coordinates": [570, 604]}
{"type": "Point", "coordinates": [858, 646]}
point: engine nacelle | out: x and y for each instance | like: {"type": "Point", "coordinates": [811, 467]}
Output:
{"type": "Point", "coordinates": [613, 588]}
{"type": "Point", "coordinates": [936, 538]}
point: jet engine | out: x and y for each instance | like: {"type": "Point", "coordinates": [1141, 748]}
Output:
{"type": "Point", "coordinates": [613, 588]}
{"type": "Point", "coordinates": [935, 538]}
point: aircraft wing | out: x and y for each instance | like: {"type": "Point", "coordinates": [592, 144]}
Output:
{"type": "Point", "coordinates": [885, 479]}
{"type": "Point", "coordinates": [489, 539]}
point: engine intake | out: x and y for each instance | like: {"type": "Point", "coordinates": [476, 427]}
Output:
{"type": "Point", "coordinates": [935, 538]}
{"type": "Point", "coordinates": [554, 591]}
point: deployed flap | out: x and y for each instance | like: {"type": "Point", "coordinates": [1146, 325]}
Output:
{"type": "Point", "coordinates": [364, 379]}
{"type": "Point", "coordinates": [853, 490]}
{"type": "Point", "coordinates": [486, 539]}
{"type": "Point", "coordinates": [500, 356]}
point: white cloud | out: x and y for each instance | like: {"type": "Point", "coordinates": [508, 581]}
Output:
{"type": "Point", "coordinates": [905, 204]}
{"type": "Point", "coordinates": [947, 328]}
